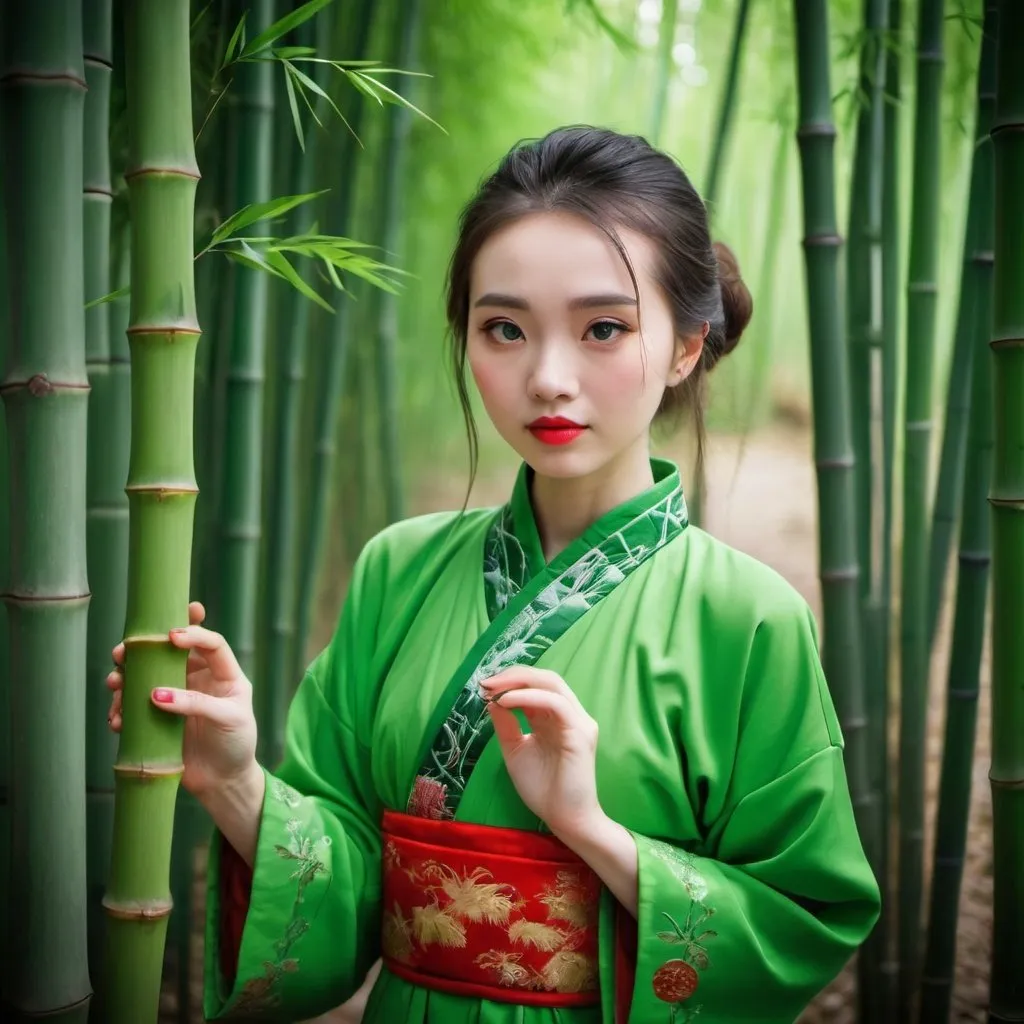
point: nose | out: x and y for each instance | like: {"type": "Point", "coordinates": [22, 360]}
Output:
{"type": "Point", "coordinates": [553, 373]}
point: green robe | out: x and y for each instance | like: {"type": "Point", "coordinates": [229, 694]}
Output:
{"type": "Point", "coordinates": [719, 750]}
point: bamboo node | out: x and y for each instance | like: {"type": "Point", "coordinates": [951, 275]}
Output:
{"type": "Point", "coordinates": [18, 77]}
{"type": "Point", "coordinates": [823, 241]}
{"type": "Point", "coordinates": [148, 771]}
{"type": "Point", "coordinates": [145, 639]}
{"type": "Point", "coordinates": [161, 491]}
{"type": "Point", "coordinates": [998, 343]}
{"type": "Point", "coordinates": [181, 172]}
{"type": "Point", "coordinates": [816, 129]}
{"type": "Point", "coordinates": [843, 574]}
{"type": "Point", "coordinates": [151, 910]}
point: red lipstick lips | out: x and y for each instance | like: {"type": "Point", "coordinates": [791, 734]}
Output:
{"type": "Point", "coordinates": [555, 429]}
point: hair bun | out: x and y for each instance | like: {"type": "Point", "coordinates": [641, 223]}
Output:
{"type": "Point", "coordinates": [737, 302]}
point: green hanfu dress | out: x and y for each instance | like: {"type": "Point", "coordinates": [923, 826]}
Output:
{"type": "Point", "coordinates": [719, 751]}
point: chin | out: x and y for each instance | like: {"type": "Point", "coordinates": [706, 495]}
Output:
{"type": "Point", "coordinates": [561, 463]}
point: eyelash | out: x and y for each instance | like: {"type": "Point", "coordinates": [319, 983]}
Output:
{"type": "Point", "coordinates": [620, 329]}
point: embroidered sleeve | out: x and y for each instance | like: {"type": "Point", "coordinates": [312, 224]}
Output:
{"type": "Point", "coordinates": [755, 931]}
{"type": "Point", "coordinates": [751, 923]}
{"type": "Point", "coordinates": [311, 929]}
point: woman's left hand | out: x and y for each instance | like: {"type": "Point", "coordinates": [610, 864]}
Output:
{"type": "Point", "coordinates": [552, 766]}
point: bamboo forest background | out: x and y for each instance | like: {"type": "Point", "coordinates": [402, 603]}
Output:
{"type": "Point", "coordinates": [320, 415]}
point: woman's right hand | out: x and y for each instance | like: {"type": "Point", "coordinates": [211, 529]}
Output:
{"type": "Point", "coordinates": [219, 746]}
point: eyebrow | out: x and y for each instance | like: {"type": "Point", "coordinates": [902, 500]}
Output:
{"type": "Point", "coordinates": [583, 302]}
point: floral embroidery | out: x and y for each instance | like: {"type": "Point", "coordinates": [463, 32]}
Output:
{"type": "Point", "coordinates": [529, 633]}
{"type": "Point", "coordinates": [260, 993]}
{"type": "Point", "coordinates": [467, 909]}
{"type": "Point", "coordinates": [676, 980]}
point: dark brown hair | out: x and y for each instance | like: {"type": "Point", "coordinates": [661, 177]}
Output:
{"type": "Point", "coordinates": [612, 181]}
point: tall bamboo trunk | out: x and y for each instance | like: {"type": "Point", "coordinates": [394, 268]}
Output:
{"type": "Point", "coordinates": [972, 582]}
{"type": "Point", "coordinates": [5, 687]}
{"type": "Point", "coordinates": [331, 386]}
{"type": "Point", "coordinates": [892, 290]}
{"type": "Point", "coordinates": [727, 107]}
{"type": "Point", "coordinates": [837, 510]}
{"type": "Point", "coordinates": [1007, 498]}
{"type": "Point", "coordinates": [241, 515]}
{"type": "Point", "coordinates": [864, 337]}
{"type": "Point", "coordinates": [922, 289]}
{"type": "Point", "coordinates": [107, 467]}
{"type": "Point", "coordinates": [46, 394]}
{"type": "Point", "coordinates": [294, 327]}
{"type": "Point", "coordinates": [391, 234]}
{"type": "Point", "coordinates": [163, 335]}
{"type": "Point", "coordinates": [950, 484]}
{"type": "Point", "coordinates": [664, 68]}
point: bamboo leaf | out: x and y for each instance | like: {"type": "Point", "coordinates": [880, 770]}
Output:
{"type": "Point", "coordinates": [237, 39]}
{"type": "Point", "coordinates": [399, 99]}
{"type": "Point", "coordinates": [277, 260]}
{"type": "Point", "coordinates": [283, 26]}
{"type": "Point", "coordinates": [296, 120]}
{"type": "Point", "coordinates": [313, 87]}
{"type": "Point", "coordinates": [256, 212]}
{"type": "Point", "coordinates": [251, 257]}
{"type": "Point", "coordinates": [291, 52]}
{"type": "Point", "coordinates": [110, 297]}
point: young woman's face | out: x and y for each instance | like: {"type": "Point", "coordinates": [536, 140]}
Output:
{"type": "Point", "coordinates": [554, 343]}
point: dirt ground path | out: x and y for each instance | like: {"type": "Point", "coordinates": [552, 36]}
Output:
{"type": "Point", "coordinates": [762, 499]}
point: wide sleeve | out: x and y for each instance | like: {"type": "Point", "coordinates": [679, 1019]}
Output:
{"type": "Point", "coordinates": [751, 923]}
{"type": "Point", "coordinates": [295, 936]}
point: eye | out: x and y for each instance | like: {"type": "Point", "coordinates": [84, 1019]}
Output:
{"type": "Point", "coordinates": [605, 331]}
{"type": "Point", "coordinates": [504, 332]}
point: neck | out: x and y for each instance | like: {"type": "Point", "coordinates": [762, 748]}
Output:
{"type": "Point", "coordinates": [563, 507]}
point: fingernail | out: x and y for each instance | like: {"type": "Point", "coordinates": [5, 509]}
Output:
{"type": "Point", "coordinates": [163, 696]}
{"type": "Point", "coordinates": [177, 631]}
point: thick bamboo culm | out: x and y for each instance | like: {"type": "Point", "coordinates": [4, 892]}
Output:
{"type": "Point", "coordinates": [891, 289]}
{"type": "Point", "coordinates": [864, 336]}
{"type": "Point", "coordinates": [922, 289]}
{"type": "Point", "coordinates": [46, 395]}
{"type": "Point", "coordinates": [107, 512]}
{"type": "Point", "coordinates": [163, 334]}
{"type": "Point", "coordinates": [833, 450]}
{"type": "Point", "coordinates": [1006, 1002]}
{"type": "Point", "coordinates": [964, 673]}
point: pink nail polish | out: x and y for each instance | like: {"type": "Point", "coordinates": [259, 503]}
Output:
{"type": "Point", "coordinates": [163, 696]}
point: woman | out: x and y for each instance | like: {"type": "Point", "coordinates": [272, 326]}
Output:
{"type": "Point", "coordinates": [569, 760]}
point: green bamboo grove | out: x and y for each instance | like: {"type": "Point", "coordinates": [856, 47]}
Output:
{"type": "Point", "coordinates": [225, 229]}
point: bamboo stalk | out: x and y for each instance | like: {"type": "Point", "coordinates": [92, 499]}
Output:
{"type": "Point", "coordinates": [949, 489]}
{"type": "Point", "coordinates": [281, 577]}
{"type": "Point", "coordinates": [241, 513]}
{"type": "Point", "coordinates": [163, 336]}
{"type": "Point", "coordinates": [664, 68]}
{"type": "Point", "coordinates": [45, 393]}
{"type": "Point", "coordinates": [332, 380]}
{"type": "Point", "coordinates": [864, 328]}
{"type": "Point", "coordinates": [922, 290]}
{"type": "Point", "coordinates": [1007, 499]}
{"type": "Point", "coordinates": [832, 434]}
{"type": "Point", "coordinates": [964, 675]}
{"type": "Point", "coordinates": [5, 688]}
{"type": "Point", "coordinates": [390, 232]}
{"type": "Point", "coordinates": [107, 467]}
{"type": "Point", "coordinates": [891, 291]}
{"type": "Point", "coordinates": [727, 108]}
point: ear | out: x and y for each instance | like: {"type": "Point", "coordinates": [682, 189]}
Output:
{"type": "Point", "coordinates": [688, 352]}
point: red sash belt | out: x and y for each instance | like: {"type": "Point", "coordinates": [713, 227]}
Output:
{"type": "Point", "coordinates": [493, 913]}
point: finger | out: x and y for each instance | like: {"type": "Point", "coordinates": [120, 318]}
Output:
{"type": "Point", "coordinates": [196, 613]}
{"type": "Point", "coordinates": [507, 729]}
{"type": "Point", "coordinates": [118, 653]}
{"type": "Point", "coordinates": [219, 656]}
{"type": "Point", "coordinates": [196, 704]}
{"type": "Point", "coordinates": [116, 704]}
{"type": "Point", "coordinates": [539, 703]}
{"type": "Point", "coordinates": [115, 680]}
{"type": "Point", "coordinates": [524, 676]}
{"type": "Point", "coordinates": [196, 662]}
